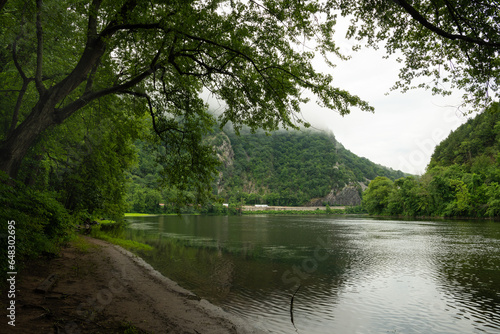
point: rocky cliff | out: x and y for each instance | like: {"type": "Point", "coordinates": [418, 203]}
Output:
{"type": "Point", "coordinates": [350, 195]}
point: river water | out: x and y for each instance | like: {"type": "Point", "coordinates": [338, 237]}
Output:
{"type": "Point", "coordinates": [353, 275]}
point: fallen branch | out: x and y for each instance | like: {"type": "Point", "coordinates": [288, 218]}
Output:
{"type": "Point", "coordinates": [291, 306]}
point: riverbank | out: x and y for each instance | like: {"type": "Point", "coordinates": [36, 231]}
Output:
{"type": "Point", "coordinates": [102, 288]}
{"type": "Point", "coordinates": [301, 210]}
{"type": "Point", "coordinates": [288, 208]}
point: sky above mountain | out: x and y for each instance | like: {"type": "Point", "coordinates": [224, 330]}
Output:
{"type": "Point", "coordinates": [405, 127]}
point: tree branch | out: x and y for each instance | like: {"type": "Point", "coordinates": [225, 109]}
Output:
{"type": "Point", "coordinates": [249, 59]}
{"type": "Point", "coordinates": [151, 111]}
{"type": "Point", "coordinates": [87, 97]}
{"type": "Point", "coordinates": [17, 108]}
{"type": "Point", "coordinates": [39, 52]}
{"type": "Point", "coordinates": [24, 88]}
{"type": "Point", "coordinates": [90, 79]}
{"type": "Point", "coordinates": [14, 58]}
{"type": "Point", "coordinates": [422, 20]}
{"type": "Point", "coordinates": [92, 25]}
{"type": "Point", "coordinates": [110, 30]}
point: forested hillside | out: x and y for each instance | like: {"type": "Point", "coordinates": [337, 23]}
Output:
{"type": "Point", "coordinates": [284, 168]}
{"type": "Point", "coordinates": [462, 178]}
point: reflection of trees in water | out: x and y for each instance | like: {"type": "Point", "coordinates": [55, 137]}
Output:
{"type": "Point", "coordinates": [214, 271]}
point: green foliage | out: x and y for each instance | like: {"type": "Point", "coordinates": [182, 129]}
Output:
{"type": "Point", "coordinates": [292, 167]}
{"type": "Point", "coordinates": [296, 212]}
{"type": "Point", "coordinates": [41, 223]}
{"type": "Point", "coordinates": [455, 43]}
{"type": "Point", "coordinates": [188, 162]}
{"type": "Point", "coordinates": [376, 196]}
{"type": "Point", "coordinates": [461, 180]}
{"type": "Point", "coordinates": [161, 55]}
{"type": "Point", "coordinates": [83, 161]}
{"type": "Point", "coordinates": [220, 209]}
{"type": "Point", "coordinates": [474, 145]}
{"type": "Point", "coordinates": [284, 168]}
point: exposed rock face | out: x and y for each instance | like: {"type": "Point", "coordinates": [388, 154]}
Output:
{"type": "Point", "coordinates": [225, 154]}
{"type": "Point", "coordinates": [349, 195]}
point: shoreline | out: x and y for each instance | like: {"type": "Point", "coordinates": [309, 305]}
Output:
{"type": "Point", "coordinates": [212, 310]}
{"type": "Point", "coordinates": [104, 288]}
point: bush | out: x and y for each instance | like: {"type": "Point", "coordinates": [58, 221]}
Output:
{"type": "Point", "coordinates": [41, 223]}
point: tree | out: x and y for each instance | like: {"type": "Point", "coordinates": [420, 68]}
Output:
{"type": "Point", "coordinates": [161, 54]}
{"type": "Point", "coordinates": [456, 43]}
{"type": "Point", "coordinates": [376, 196]}
{"type": "Point", "coordinates": [85, 159]}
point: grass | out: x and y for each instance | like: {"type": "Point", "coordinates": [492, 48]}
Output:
{"type": "Point", "coordinates": [129, 328]}
{"type": "Point", "coordinates": [82, 245]}
{"type": "Point", "coordinates": [110, 231]}
{"type": "Point", "coordinates": [134, 214]}
{"type": "Point", "coordinates": [127, 244]}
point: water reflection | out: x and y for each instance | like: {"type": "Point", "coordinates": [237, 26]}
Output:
{"type": "Point", "coordinates": [357, 275]}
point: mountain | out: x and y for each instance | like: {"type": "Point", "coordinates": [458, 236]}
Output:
{"type": "Point", "coordinates": [475, 145]}
{"type": "Point", "coordinates": [292, 168]}
{"type": "Point", "coordinates": [306, 167]}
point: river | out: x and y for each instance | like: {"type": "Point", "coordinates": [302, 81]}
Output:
{"type": "Point", "coordinates": [356, 275]}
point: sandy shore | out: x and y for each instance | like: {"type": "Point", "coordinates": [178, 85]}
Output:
{"type": "Point", "coordinates": [106, 289]}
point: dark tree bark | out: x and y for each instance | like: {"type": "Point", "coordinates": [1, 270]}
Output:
{"type": "Point", "coordinates": [17, 144]}
{"type": "Point", "coordinates": [45, 114]}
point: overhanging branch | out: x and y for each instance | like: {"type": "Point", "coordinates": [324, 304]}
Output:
{"type": "Point", "coordinates": [422, 20]}
{"type": "Point", "coordinates": [39, 52]}
{"type": "Point", "coordinates": [86, 98]}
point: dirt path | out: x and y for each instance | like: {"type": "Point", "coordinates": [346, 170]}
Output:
{"type": "Point", "coordinates": [106, 289]}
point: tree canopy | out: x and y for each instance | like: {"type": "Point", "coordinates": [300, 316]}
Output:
{"type": "Point", "coordinates": [455, 43]}
{"type": "Point", "coordinates": [60, 56]}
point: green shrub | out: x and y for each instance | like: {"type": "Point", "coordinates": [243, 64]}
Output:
{"type": "Point", "coordinates": [41, 223]}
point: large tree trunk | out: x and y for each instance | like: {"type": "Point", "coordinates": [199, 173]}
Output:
{"type": "Point", "coordinates": [15, 147]}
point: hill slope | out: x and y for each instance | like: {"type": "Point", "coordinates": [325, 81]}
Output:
{"type": "Point", "coordinates": [475, 142]}
{"type": "Point", "coordinates": [462, 179]}
{"type": "Point", "coordinates": [292, 168]}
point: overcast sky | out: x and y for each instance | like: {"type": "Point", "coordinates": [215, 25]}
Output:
{"type": "Point", "coordinates": [405, 128]}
